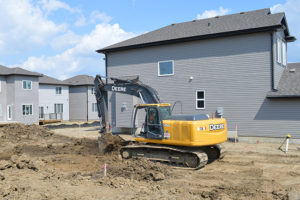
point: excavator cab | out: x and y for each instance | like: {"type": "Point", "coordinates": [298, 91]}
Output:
{"type": "Point", "coordinates": [152, 127]}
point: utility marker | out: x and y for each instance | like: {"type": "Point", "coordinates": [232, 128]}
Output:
{"type": "Point", "coordinates": [105, 166]}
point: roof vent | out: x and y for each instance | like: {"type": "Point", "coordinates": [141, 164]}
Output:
{"type": "Point", "coordinates": [217, 16]}
{"type": "Point", "coordinates": [242, 13]}
{"type": "Point", "coordinates": [194, 20]}
{"type": "Point", "coordinates": [292, 70]}
{"type": "Point", "coordinates": [172, 24]}
{"type": "Point", "coordinates": [208, 24]}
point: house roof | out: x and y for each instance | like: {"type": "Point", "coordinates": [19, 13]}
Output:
{"type": "Point", "coordinates": [244, 22]}
{"type": "Point", "coordinates": [289, 84]}
{"type": "Point", "coordinates": [47, 80]}
{"type": "Point", "coordinates": [80, 80]}
{"type": "Point", "coordinates": [7, 71]}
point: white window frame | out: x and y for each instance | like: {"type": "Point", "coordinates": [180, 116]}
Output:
{"type": "Point", "coordinates": [58, 90]}
{"type": "Point", "coordinates": [284, 53]}
{"type": "Point", "coordinates": [200, 99]}
{"type": "Point", "coordinates": [158, 71]}
{"type": "Point", "coordinates": [92, 90]}
{"type": "Point", "coordinates": [62, 107]}
{"type": "Point", "coordinates": [26, 84]}
{"type": "Point", "coordinates": [279, 51]}
{"type": "Point", "coordinates": [9, 114]}
{"type": "Point", "coordinates": [25, 109]}
{"type": "Point", "coordinates": [94, 107]}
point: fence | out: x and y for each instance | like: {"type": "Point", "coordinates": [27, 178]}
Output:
{"type": "Point", "coordinates": [51, 116]}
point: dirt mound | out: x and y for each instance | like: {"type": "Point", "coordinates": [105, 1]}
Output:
{"type": "Point", "coordinates": [110, 143]}
{"type": "Point", "coordinates": [139, 169]}
{"type": "Point", "coordinates": [19, 132]}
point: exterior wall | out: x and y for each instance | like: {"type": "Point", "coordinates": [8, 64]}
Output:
{"type": "Point", "coordinates": [235, 73]}
{"type": "Point", "coordinates": [48, 97]}
{"type": "Point", "coordinates": [91, 100]}
{"type": "Point", "coordinates": [278, 67]}
{"type": "Point", "coordinates": [79, 96]}
{"type": "Point", "coordinates": [3, 105]}
{"type": "Point", "coordinates": [17, 96]}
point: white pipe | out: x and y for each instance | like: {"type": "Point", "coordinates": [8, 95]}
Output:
{"type": "Point", "coordinates": [287, 145]}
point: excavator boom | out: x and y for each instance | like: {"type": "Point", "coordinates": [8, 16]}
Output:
{"type": "Point", "coordinates": [133, 87]}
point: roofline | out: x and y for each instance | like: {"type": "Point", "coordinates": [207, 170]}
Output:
{"type": "Point", "coordinates": [187, 39]}
{"type": "Point", "coordinates": [282, 96]}
{"type": "Point", "coordinates": [81, 85]}
{"type": "Point", "coordinates": [64, 84]}
{"type": "Point", "coordinates": [18, 74]}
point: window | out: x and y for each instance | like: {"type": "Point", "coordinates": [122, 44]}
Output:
{"type": "Point", "coordinates": [27, 109]}
{"type": "Point", "coordinates": [93, 90]}
{"type": "Point", "coordinates": [284, 60]}
{"type": "Point", "coordinates": [200, 99]}
{"type": "Point", "coordinates": [58, 108]}
{"type": "Point", "coordinates": [166, 68]}
{"type": "Point", "coordinates": [279, 50]}
{"type": "Point", "coordinates": [27, 85]}
{"type": "Point", "coordinates": [94, 107]}
{"type": "Point", "coordinates": [9, 112]}
{"type": "Point", "coordinates": [58, 90]}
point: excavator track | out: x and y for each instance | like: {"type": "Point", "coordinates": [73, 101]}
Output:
{"type": "Point", "coordinates": [175, 156]}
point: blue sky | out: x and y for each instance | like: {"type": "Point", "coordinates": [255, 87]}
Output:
{"type": "Point", "coordinates": [59, 37]}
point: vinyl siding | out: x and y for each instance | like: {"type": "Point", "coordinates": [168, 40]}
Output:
{"type": "Point", "coordinates": [17, 96]}
{"type": "Point", "coordinates": [48, 97]}
{"type": "Point", "coordinates": [79, 96]}
{"type": "Point", "coordinates": [3, 105]}
{"type": "Point", "coordinates": [235, 73]}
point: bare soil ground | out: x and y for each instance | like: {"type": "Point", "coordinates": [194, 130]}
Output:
{"type": "Point", "coordinates": [35, 163]}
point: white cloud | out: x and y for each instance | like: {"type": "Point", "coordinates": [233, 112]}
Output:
{"type": "Point", "coordinates": [82, 56]}
{"type": "Point", "coordinates": [64, 41]}
{"type": "Point", "coordinates": [213, 13]}
{"type": "Point", "coordinates": [98, 16]}
{"type": "Point", "coordinates": [292, 11]}
{"type": "Point", "coordinates": [23, 26]}
{"type": "Point", "coordinates": [30, 29]}
{"type": "Point", "coordinates": [54, 5]}
{"type": "Point", "coordinates": [81, 21]}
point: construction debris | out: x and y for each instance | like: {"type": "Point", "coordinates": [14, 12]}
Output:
{"type": "Point", "coordinates": [42, 165]}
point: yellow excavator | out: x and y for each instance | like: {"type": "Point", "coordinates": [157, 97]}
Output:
{"type": "Point", "coordinates": [181, 140]}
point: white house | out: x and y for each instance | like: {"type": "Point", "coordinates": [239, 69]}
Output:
{"type": "Point", "coordinates": [53, 99]}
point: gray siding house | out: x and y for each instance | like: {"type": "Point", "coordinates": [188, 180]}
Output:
{"type": "Point", "coordinates": [82, 99]}
{"type": "Point", "coordinates": [53, 99]}
{"type": "Point", "coordinates": [237, 62]}
{"type": "Point", "coordinates": [19, 98]}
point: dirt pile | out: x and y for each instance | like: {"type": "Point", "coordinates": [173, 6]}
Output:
{"type": "Point", "coordinates": [110, 143]}
{"type": "Point", "coordinates": [133, 169]}
{"type": "Point", "coordinates": [19, 132]}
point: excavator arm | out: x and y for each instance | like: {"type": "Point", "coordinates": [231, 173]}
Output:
{"type": "Point", "coordinates": [133, 87]}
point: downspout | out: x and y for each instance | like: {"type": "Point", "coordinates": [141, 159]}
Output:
{"type": "Point", "coordinates": [87, 103]}
{"type": "Point", "coordinates": [272, 62]}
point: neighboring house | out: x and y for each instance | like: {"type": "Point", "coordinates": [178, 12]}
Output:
{"type": "Point", "coordinates": [237, 62]}
{"type": "Point", "coordinates": [82, 99]}
{"type": "Point", "coordinates": [19, 97]}
{"type": "Point", "coordinates": [53, 99]}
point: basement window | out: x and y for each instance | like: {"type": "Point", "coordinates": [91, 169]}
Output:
{"type": "Point", "coordinates": [166, 68]}
{"type": "Point", "coordinates": [200, 99]}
